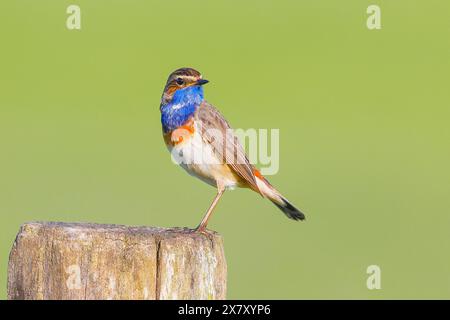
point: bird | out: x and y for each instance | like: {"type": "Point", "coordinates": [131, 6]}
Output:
{"type": "Point", "coordinates": [201, 141]}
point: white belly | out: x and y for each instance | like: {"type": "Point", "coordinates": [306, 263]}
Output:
{"type": "Point", "coordinates": [199, 160]}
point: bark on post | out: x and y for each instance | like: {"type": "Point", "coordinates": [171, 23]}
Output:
{"type": "Point", "coordinates": [94, 261]}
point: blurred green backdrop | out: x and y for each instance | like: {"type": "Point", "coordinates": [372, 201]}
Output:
{"type": "Point", "coordinates": [363, 118]}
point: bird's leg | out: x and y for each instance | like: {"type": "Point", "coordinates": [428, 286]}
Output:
{"type": "Point", "coordinates": [202, 226]}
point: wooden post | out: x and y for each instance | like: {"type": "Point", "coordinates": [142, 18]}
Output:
{"type": "Point", "coordinates": [93, 261]}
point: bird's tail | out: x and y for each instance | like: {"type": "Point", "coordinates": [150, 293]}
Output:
{"type": "Point", "coordinates": [269, 192]}
{"type": "Point", "coordinates": [288, 209]}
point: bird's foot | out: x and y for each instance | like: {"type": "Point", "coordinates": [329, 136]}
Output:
{"type": "Point", "coordinates": [205, 232]}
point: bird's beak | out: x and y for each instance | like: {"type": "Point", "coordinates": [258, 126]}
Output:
{"type": "Point", "coordinates": [201, 82]}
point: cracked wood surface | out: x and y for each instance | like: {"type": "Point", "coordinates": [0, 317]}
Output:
{"type": "Point", "coordinates": [52, 260]}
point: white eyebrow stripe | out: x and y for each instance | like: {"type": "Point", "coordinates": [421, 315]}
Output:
{"type": "Point", "coordinates": [193, 78]}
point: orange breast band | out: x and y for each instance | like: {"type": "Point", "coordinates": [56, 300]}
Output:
{"type": "Point", "coordinates": [180, 134]}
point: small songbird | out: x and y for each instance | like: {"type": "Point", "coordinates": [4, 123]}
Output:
{"type": "Point", "coordinates": [202, 142]}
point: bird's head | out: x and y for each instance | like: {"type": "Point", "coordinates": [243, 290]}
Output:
{"type": "Point", "coordinates": [180, 80]}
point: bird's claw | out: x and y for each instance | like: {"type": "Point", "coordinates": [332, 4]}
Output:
{"type": "Point", "coordinates": [205, 232]}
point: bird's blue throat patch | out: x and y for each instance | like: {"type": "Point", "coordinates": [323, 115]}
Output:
{"type": "Point", "coordinates": [182, 106]}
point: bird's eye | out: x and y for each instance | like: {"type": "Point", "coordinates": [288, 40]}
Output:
{"type": "Point", "coordinates": [180, 81]}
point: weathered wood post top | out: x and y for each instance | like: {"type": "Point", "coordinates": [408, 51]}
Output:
{"type": "Point", "coordinates": [52, 260]}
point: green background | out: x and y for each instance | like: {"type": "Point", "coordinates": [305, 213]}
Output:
{"type": "Point", "coordinates": [363, 118]}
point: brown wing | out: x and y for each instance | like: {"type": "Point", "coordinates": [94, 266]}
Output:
{"type": "Point", "coordinates": [217, 132]}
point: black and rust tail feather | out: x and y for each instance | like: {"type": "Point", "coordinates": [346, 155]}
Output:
{"type": "Point", "coordinates": [269, 192]}
{"type": "Point", "coordinates": [288, 209]}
